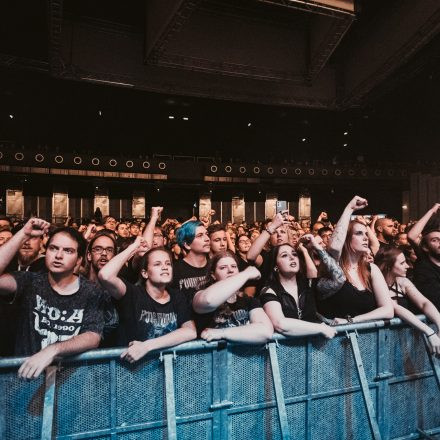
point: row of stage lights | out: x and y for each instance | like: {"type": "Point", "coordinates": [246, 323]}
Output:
{"type": "Point", "coordinates": [228, 169]}
{"type": "Point", "coordinates": [77, 160]}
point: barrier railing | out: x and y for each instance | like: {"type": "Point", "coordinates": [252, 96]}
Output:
{"type": "Point", "coordinates": [374, 380]}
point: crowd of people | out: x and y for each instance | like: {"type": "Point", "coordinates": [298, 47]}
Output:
{"type": "Point", "coordinates": [150, 285]}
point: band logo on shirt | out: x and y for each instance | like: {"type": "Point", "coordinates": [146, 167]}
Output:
{"type": "Point", "coordinates": [193, 283]}
{"type": "Point", "coordinates": [54, 324]}
{"type": "Point", "coordinates": [158, 324]}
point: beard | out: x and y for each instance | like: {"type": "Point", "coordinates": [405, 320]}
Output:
{"type": "Point", "coordinates": [434, 254]}
{"type": "Point", "coordinates": [27, 258]}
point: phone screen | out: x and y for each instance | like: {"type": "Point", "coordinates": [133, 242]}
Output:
{"type": "Point", "coordinates": [281, 206]}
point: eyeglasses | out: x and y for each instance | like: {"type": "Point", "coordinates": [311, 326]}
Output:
{"type": "Point", "coordinates": [100, 250]}
{"type": "Point", "coordinates": [157, 235]}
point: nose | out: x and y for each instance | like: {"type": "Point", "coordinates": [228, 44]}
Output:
{"type": "Point", "coordinates": [59, 254]}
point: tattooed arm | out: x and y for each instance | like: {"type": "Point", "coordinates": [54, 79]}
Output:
{"type": "Point", "coordinates": [335, 278]}
{"type": "Point", "coordinates": [340, 232]}
{"type": "Point", "coordinates": [328, 286]}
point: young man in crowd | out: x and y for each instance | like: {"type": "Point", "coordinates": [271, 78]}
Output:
{"type": "Point", "coordinates": [424, 236]}
{"type": "Point", "coordinates": [5, 235]}
{"type": "Point", "coordinates": [190, 273]}
{"type": "Point", "coordinates": [385, 231]}
{"type": "Point", "coordinates": [100, 250]}
{"type": "Point", "coordinates": [109, 222]}
{"type": "Point", "coordinates": [219, 239]}
{"type": "Point", "coordinates": [60, 313]}
{"type": "Point", "coordinates": [5, 222]}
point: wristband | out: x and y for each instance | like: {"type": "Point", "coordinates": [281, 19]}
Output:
{"type": "Point", "coordinates": [267, 230]}
{"type": "Point", "coordinates": [349, 319]}
{"type": "Point", "coordinates": [432, 334]}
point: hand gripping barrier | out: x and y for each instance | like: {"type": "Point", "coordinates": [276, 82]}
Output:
{"type": "Point", "coordinates": [374, 380]}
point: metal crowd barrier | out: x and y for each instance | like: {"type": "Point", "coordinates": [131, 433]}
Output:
{"type": "Point", "coordinates": [374, 380]}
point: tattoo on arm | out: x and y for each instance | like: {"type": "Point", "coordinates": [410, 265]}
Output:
{"type": "Point", "coordinates": [336, 278]}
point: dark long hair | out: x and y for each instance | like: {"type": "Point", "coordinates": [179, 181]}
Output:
{"type": "Point", "coordinates": [386, 258]}
{"type": "Point", "coordinates": [212, 264]}
{"type": "Point", "coordinates": [274, 275]}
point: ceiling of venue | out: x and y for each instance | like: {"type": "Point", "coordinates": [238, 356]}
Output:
{"type": "Point", "coordinates": [273, 80]}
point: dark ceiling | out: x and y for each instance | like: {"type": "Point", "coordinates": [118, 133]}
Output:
{"type": "Point", "coordinates": [71, 79]}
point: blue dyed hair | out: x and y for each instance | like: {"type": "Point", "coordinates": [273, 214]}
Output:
{"type": "Point", "coordinates": [187, 232]}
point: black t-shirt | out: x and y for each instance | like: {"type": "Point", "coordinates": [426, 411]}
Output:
{"type": "Point", "coordinates": [9, 312]}
{"type": "Point", "coordinates": [427, 279]}
{"type": "Point", "coordinates": [229, 314]}
{"type": "Point", "coordinates": [305, 310]}
{"type": "Point", "coordinates": [348, 300]}
{"type": "Point", "coordinates": [189, 279]}
{"type": "Point", "coordinates": [142, 318]}
{"type": "Point", "coordinates": [47, 317]}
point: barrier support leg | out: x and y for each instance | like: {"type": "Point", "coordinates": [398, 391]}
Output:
{"type": "Point", "coordinates": [170, 398]}
{"type": "Point", "coordinates": [49, 403]}
{"type": "Point", "coordinates": [279, 394]}
{"type": "Point", "coordinates": [434, 362]}
{"type": "Point", "coordinates": [352, 336]}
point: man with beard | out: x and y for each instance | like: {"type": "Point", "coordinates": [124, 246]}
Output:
{"type": "Point", "coordinates": [27, 259]}
{"type": "Point", "coordinates": [427, 265]}
{"type": "Point", "coordinates": [101, 249]}
{"type": "Point", "coordinates": [385, 231]}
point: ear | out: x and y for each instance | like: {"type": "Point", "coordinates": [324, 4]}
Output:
{"type": "Point", "coordinates": [186, 246]}
{"type": "Point", "coordinates": [89, 257]}
{"type": "Point", "coordinates": [144, 274]}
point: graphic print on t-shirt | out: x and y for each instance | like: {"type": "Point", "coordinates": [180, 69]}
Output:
{"type": "Point", "coordinates": [158, 324]}
{"type": "Point", "coordinates": [196, 283]}
{"type": "Point", "coordinates": [55, 325]}
{"type": "Point", "coordinates": [226, 316]}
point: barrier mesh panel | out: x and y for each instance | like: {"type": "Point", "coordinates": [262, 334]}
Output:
{"type": "Point", "coordinates": [340, 418]}
{"type": "Point", "coordinates": [292, 361]}
{"type": "Point", "coordinates": [414, 404]}
{"type": "Point", "coordinates": [23, 405]}
{"type": "Point", "coordinates": [199, 430]}
{"type": "Point", "coordinates": [258, 424]}
{"type": "Point", "coordinates": [153, 434]}
{"type": "Point", "coordinates": [250, 375]}
{"type": "Point", "coordinates": [367, 342]}
{"type": "Point", "coordinates": [407, 352]}
{"type": "Point", "coordinates": [333, 366]}
{"type": "Point", "coordinates": [192, 382]}
{"type": "Point", "coordinates": [140, 391]}
{"type": "Point", "coordinates": [296, 416]}
{"type": "Point", "coordinates": [81, 405]}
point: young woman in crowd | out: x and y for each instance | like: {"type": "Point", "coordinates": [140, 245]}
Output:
{"type": "Point", "coordinates": [364, 295]}
{"type": "Point", "coordinates": [152, 316]}
{"type": "Point", "coordinates": [287, 297]}
{"type": "Point", "coordinates": [392, 262]}
{"type": "Point", "coordinates": [225, 311]}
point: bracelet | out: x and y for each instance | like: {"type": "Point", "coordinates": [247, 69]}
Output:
{"type": "Point", "coordinates": [267, 230]}
{"type": "Point", "coordinates": [349, 319]}
{"type": "Point", "coordinates": [433, 333]}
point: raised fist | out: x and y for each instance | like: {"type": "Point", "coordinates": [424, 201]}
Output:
{"type": "Point", "coordinates": [36, 227]}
